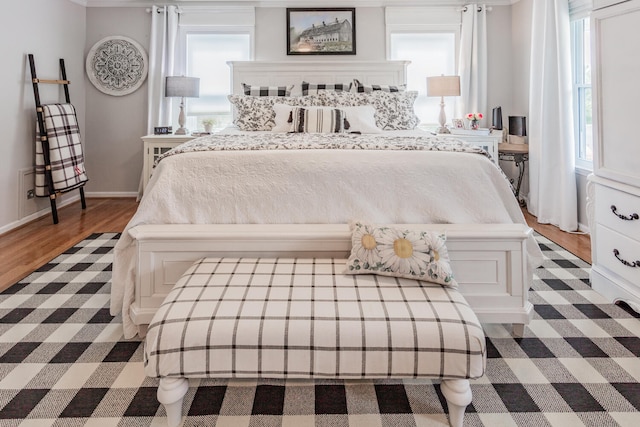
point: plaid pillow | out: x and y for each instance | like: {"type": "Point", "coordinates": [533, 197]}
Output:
{"type": "Point", "coordinates": [266, 90]}
{"type": "Point", "coordinates": [314, 88]}
{"type": "Point", "coordinates": [317, 120]}
{"type": "Point", "coordinates": [399, 252]}
{"type": "Point", "coordinates": [362, 88]}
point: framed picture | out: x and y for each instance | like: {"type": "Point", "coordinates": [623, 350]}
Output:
{"type": "Point", "coordinates": [457, 123]}
{"type": "Point", "coordinates": [321, 31]}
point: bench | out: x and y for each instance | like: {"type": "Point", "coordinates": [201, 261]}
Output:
{"type": "Point", "coordinates": [302, 318]}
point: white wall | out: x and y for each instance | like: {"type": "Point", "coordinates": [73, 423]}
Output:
{"type": "Point", "coordinates": [50, 29]}
{"type": "Point", "coordinates": [115, 123]}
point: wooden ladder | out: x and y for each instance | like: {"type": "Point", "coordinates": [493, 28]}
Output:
{"type": "Point", "coordinates": [43, 132]}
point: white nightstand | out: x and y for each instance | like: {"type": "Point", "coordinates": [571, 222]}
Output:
{"type": "Point", "coordinates": [488, 142]}
{"type": "Point", "coordinates": [154, 147]}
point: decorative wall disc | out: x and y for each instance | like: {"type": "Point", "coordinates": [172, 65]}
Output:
{"type": "Point", "coordinates": [117, 65]}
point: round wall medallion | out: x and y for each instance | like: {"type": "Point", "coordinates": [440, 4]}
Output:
{"type": "Point", "coordinates": [117, 65]}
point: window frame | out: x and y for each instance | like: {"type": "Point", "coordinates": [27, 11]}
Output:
{"type": "Point", "coordinates": [579, 88]}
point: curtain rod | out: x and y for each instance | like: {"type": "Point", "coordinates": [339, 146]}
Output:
{"type": "Point", "coordinates": [161, 10]}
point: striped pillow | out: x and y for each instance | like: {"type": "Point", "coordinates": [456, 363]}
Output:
{"type": "Point", "coordinates": [314, 88]}
{"type": "Point", "coordinates": [266, 90]}
{"type": "Point", "coordinates": [317, 120]}
{"type": "Point", "coordinates": [362, 88]}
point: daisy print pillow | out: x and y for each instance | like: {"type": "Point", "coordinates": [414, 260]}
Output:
{"type": "Point", "coordinates": [391, 251]}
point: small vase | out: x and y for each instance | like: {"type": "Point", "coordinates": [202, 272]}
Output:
{"type": "Point", "coordinates": [208, 128]}
{"type": "Point", "coordinates": [474, 125]}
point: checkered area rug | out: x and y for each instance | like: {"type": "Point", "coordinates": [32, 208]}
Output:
{"type": "Point", "coordinates": [63, 362]}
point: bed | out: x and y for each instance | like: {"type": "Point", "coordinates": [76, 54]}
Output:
{"type": "Point", "coordinates": [259, 193]}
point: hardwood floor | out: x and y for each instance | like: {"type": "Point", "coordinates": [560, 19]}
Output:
{"type": "Point", "coordinates": [25, 249]}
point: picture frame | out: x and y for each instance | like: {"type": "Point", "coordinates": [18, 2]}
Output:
{"type": "Point", "coordinates": [457, 123]}
{"type": "Point", "coordinates": [321, 31]}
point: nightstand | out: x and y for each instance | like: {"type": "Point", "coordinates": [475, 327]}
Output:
{"type": "Point", "coordinates": [488, 142]}
{"type": "Point", "coordinates": [154, 147]}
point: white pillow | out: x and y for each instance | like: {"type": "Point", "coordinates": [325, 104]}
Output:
{"type": "Point", "coordinates": [361, 118]}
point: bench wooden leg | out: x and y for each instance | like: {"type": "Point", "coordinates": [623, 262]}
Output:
{"type": "Point", "coordinates": [458, 395]}
{"type": "Point", "coordinates": [171, 391]}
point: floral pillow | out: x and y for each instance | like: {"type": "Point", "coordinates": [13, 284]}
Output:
{"type": "Point", "coordinates": [256, 113]}
{"type": "Point", "coordinates": [394, 110]}
{"type": "Point", "coordinates": [398, 252]}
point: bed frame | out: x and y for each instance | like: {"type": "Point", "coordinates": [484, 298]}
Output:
{"type": "Point", "coordinates": [489, 260]}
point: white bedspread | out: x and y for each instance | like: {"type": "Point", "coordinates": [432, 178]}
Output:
{"type": "Point", "coordinates": [316, 186]}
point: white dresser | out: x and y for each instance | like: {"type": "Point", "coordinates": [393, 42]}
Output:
{"type": "Point", "coordinates": [613, 190]}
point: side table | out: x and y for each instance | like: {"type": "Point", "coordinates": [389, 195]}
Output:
{"type": "Point", "coordinates": [518, 153]}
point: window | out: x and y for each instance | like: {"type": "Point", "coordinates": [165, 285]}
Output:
{"type": "Point", "coordinates": [209, 37]}
{"type": "Point", "coordinates": [431, 54]}
{"type": "Point", "coordinates": [582, 101]}
{"type": "Point", "coordinates": [428, 37]}
{"type": "Point", "coordinates": [206, 57]}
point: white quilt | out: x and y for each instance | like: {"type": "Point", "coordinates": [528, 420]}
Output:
{"type": "Point", "coordinates": [307, 186]}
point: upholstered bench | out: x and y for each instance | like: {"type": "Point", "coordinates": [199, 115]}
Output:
{"type": "Point", "coordinates": [303, 318]}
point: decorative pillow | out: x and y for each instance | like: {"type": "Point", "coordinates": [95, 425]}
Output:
{"type": "Point", "coordinates": [315, 88]}
{"type": "Point", "coordinates": [256, 113]}
{"type": "Point", "coordinates": [394, 110]}
{"type": "Point", "coordinates": [397, 252]}
{"type": "Point", "coordinates": [266, 90]}
{"type": "Point", "coordinates": [360, 119]}
{"type": "Point", "coordinates": [362, 88]}
{"type": "Point", "coordinates": [317, 120]}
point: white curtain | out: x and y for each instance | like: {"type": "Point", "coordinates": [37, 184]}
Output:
{"type": "Point", "coordinates": [472, 62]}
{"type": "Point", "coordinates": [552, 180]}
{"type": "Point", "coordinates": [164, 34]}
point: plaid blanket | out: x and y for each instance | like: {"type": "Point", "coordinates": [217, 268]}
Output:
{"type": "Point", "coordinates": [303, 318]}
{"type": "Point", "coordinates": [65, 151]}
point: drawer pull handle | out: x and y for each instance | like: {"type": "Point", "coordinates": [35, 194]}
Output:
{"type": "Point", "coordinates": [616, 253]}
{"type": "Point", "coordinates": [626, 218]}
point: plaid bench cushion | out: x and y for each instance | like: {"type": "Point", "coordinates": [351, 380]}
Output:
{"type": "Point", "coordinates": [302, 318]}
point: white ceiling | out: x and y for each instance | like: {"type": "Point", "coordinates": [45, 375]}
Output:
{"type": "Point", "coordinates": [289, 3]}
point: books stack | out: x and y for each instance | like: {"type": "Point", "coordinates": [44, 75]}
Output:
{"type": "Point", "coordinates": [471, 132]}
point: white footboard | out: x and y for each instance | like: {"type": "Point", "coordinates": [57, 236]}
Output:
{"type": "Point", "coordinates": [488, 260]}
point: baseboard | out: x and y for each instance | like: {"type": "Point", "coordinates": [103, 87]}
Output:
{"type": "Point", "coordinates": [59, 204]}
{"type": "Point", "coordinates": [111, 194]}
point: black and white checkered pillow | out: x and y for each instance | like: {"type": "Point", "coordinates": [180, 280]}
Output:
{"type": "Point", "coordinates": [266, 90]}
{"type": "Point", "coordinates": [314, 88]}
{"type": "Point", "coordinates": [362, 88]}
{"type": "Point", "coordinates": [317, 120]}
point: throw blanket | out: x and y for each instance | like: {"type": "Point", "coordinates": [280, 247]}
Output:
{"type": "Point", "coordinates": [320, 141]}
{"type": "Point", "coordinates": [65, 151]}
{"type": "Point", "coordinates": [242, 184]}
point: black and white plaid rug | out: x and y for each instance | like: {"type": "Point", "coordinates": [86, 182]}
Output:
{"type": "Point", "coordinates": [63, 362]}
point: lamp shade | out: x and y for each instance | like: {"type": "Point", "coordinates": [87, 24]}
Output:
{"type": "Point", "coordinates": [443, 86]}
{"type": "Point", "coordinates": [181, 86]}
{"type": "Point", "coordinates": [518, 125]}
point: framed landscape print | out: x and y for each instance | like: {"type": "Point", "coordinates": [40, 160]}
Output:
{"type": "Point", "coordinates": [321, 31]}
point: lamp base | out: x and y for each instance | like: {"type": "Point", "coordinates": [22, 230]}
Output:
{"type": "Point", "coordinates": [443, 129]}
{"type": "Point", "coordinates": [181, 131]}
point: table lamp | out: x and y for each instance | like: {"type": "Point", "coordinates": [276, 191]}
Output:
{"type": "Point", "coordinates": [182, 87]}
{"type": "Point", "coordinates": [517, 129]}
{"type": "Point", "coordinates": [443, 86]}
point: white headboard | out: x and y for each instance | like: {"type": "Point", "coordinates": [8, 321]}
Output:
{"type": "Point", "coordinates": [281, 73]}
